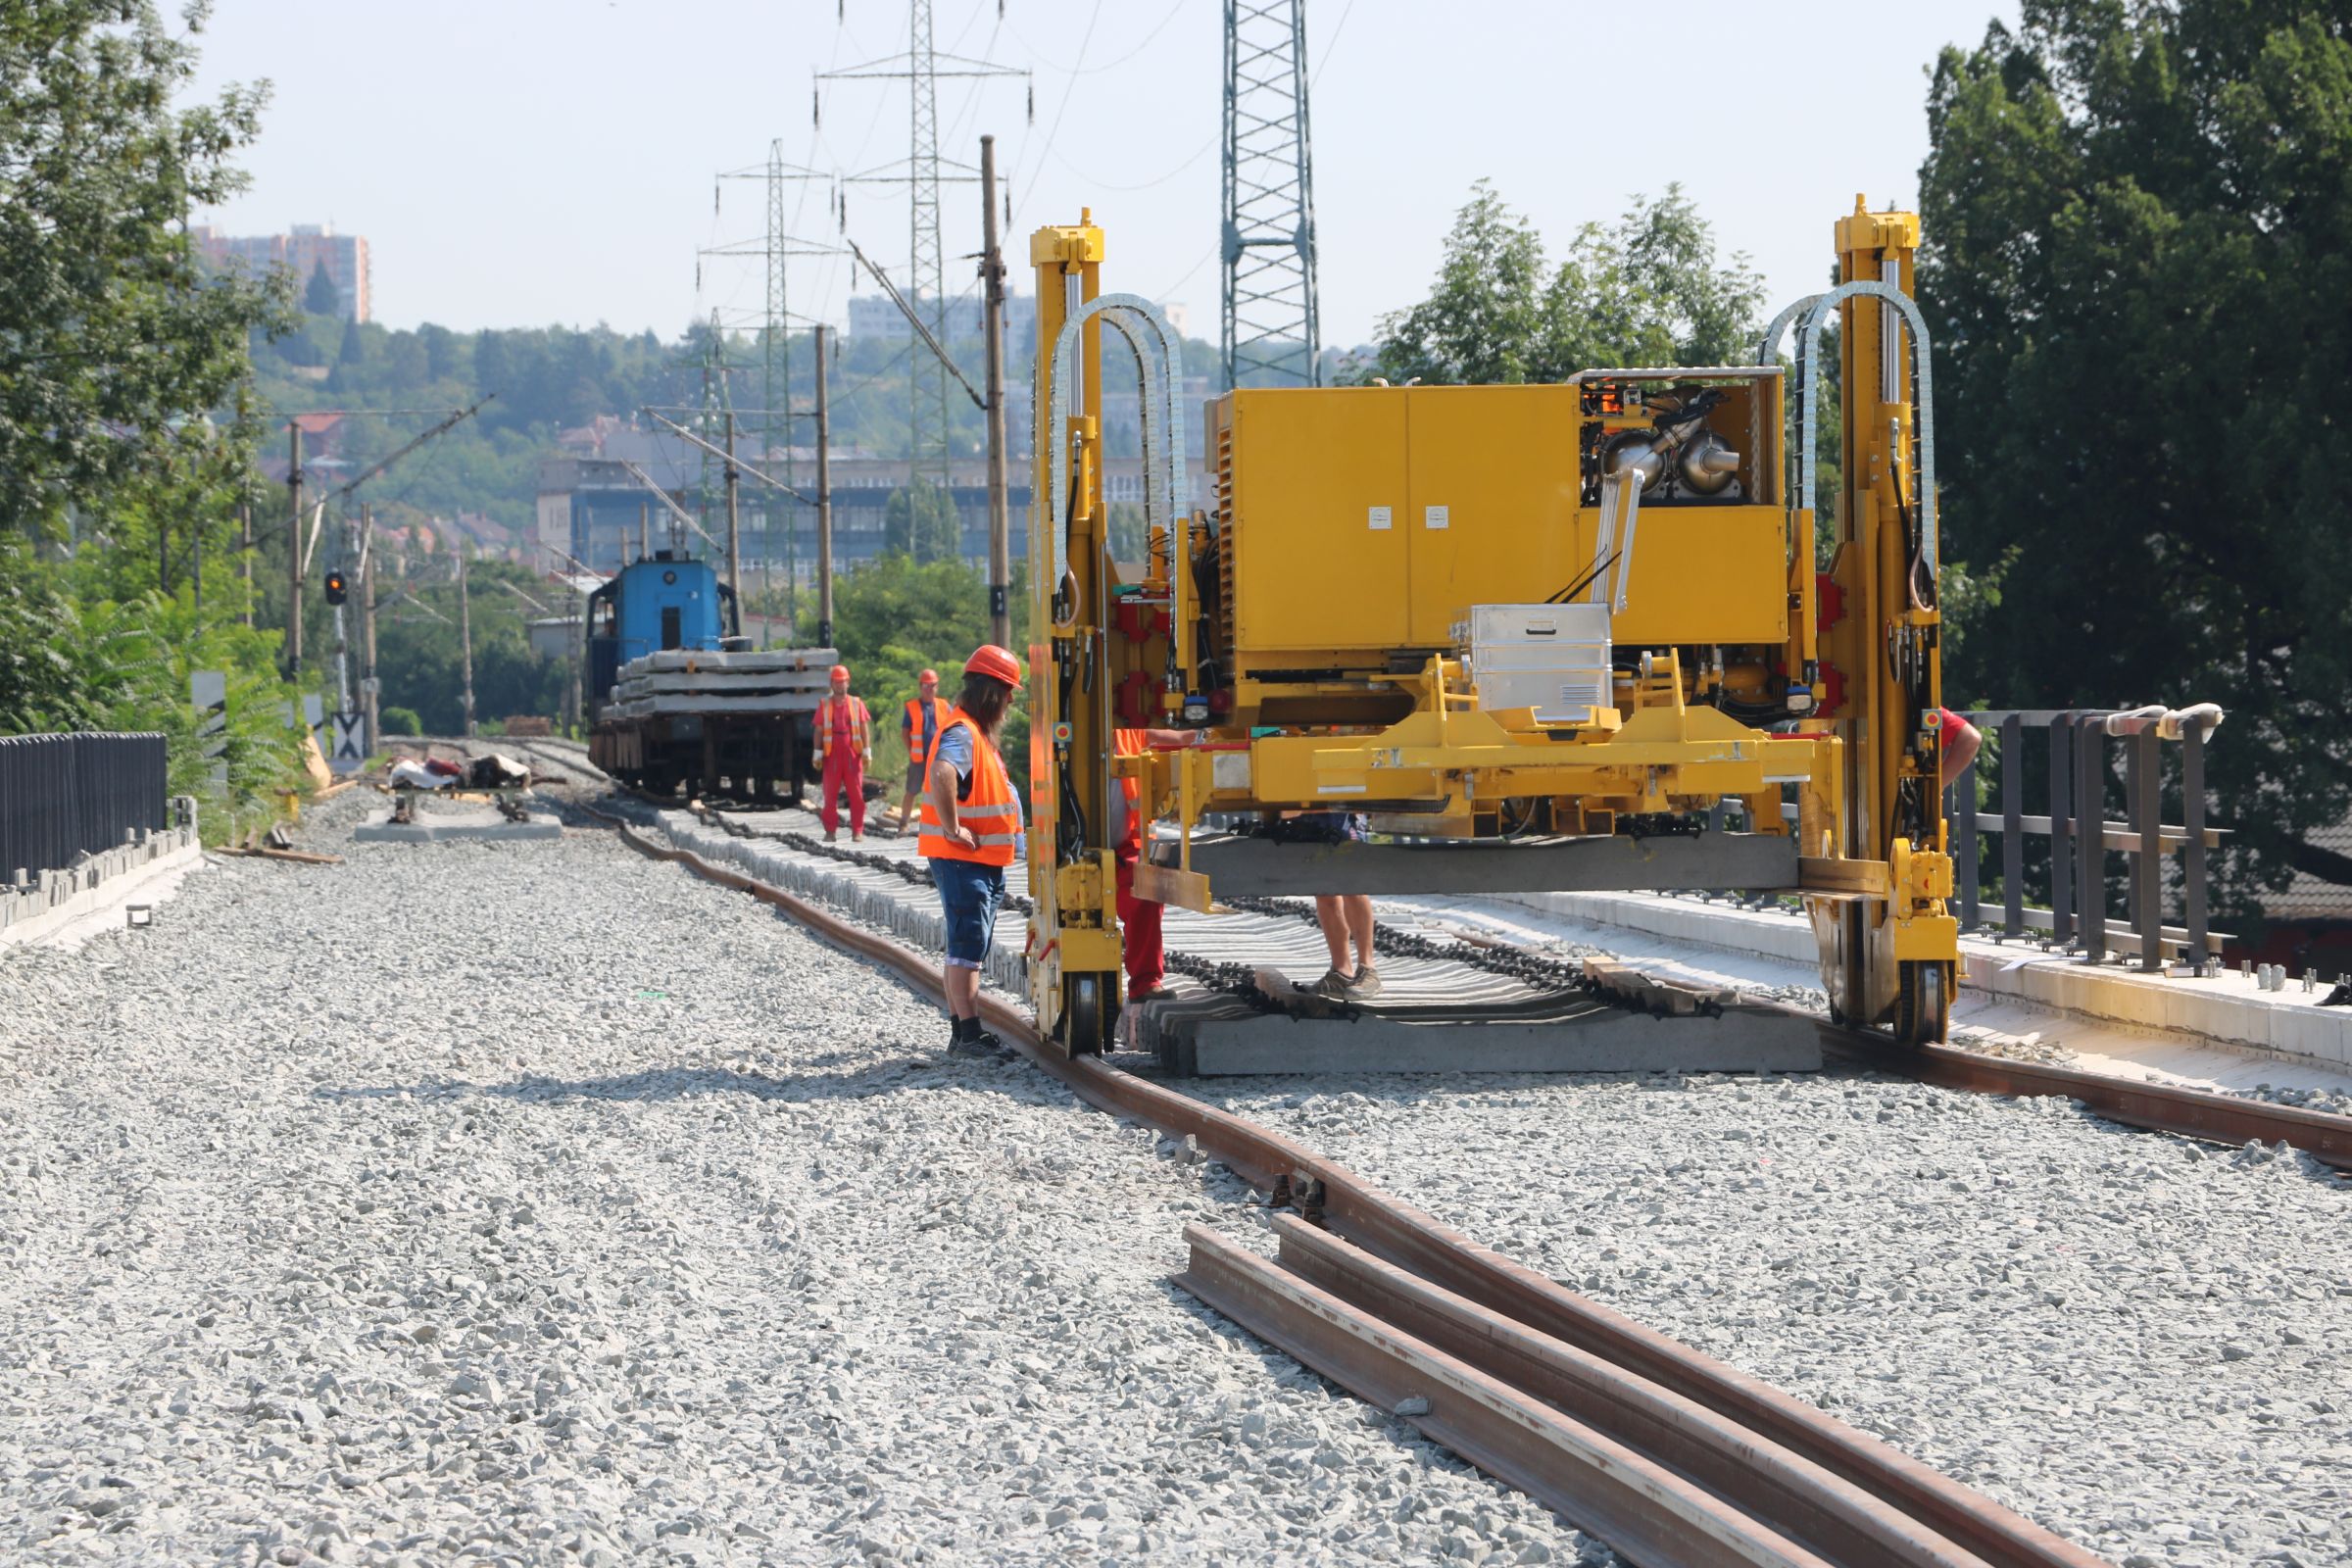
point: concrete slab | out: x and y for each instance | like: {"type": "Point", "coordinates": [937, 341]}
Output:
{"type": "Point", "coordinates": [1210, 1035]}
{"type": "Point", "coordinates": [438, 827]}
{"type": "Point", "coordinates": [1243, 866]}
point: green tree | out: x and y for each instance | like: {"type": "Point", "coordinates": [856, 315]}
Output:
{"type": "Point", "coordinates": [320, 297]}
{"type": "Point", "coordinates": [2137, 245]}
{"type": "Point", "coordinates": [920, 520]}
{"type": "Point", "coordinates": [894, 619]}
{"type": "Point", "coordinates": [1649, 290]}
{"type": "Point", "coordinates": [112, 339]}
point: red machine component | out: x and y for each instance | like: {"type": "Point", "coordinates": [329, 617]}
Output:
{"type": "Point", "coordinates": [1829, 602]}
{"type": "Point", "coordinates": [1829, 691]}
{"type": "Point", "coordinates": [1139, 621]}
{"type": "Point", "coordinates": [1137, 704]}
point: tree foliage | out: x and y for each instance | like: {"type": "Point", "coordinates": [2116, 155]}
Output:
{"type": "Point", "coordinates": [920, 520]}
{"type": "Point", "coordinates": [1646, 290]}
{"type": "Point", "coordinates": [894, 619]}
{"type": "Point", "coordinates": [320, 296]}
{"type": "Point", "coordinates": [2138, 248]}
{"type": "Point", "coordinates": [113, 344]}
{"type": "Point", "coordinates": [74, 659]}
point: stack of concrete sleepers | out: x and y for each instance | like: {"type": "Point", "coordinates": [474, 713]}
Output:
{"type": "Point", "coordinates": [679, 680]}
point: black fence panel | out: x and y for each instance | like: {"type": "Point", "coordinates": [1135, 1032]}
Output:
{"type": "Point", "coordinates": [64, 796]}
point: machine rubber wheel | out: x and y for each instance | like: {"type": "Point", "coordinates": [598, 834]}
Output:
{"type": "Point", "coordinates": [1084, 1021]}
{"type": "Point", "coordinates": [1921, 1011]}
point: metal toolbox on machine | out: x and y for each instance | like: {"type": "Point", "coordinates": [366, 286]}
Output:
{"type": "Point", "coordinates": [1551, 658]}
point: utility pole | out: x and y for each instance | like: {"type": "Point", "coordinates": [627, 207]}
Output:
{"type": "Point", "coordinates": [367, 684]}
{"type": "Point", "coordinates": [999, 515]}
{"type": "Point", "coordinates": [196, 563]}
{"type": "Point", "coordinates": [824, 504]}
{"type": "Point", "coordinates": [643, 529]}
{"type": "Point", "coordinates": [734, 517]}
{"type": "Point", "coordinates": [245, 555]}
{"type": "Point", "coordinates": [294, 553]}
{"type": "Point", "coordinates": [466, 634]}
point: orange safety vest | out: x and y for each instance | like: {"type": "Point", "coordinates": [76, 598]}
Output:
{"type": "Point", "coordinates": [861, 740]}
{"type": "Point", "coordinates": [917, 754]}
{"type": "Point", "coordinates": [1132, 743]}
{"type": "Point", "coordinates": [991, 812]}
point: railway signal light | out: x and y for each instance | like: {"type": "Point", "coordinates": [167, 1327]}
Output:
{"type": "Point", "coordinates": [336, 589]}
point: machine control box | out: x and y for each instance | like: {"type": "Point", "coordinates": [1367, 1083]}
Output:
{"type": "Point", "coordinates": [1551, 658]}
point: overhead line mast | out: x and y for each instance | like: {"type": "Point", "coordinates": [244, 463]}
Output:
{"type": "Point", "coordinates": [1271, 330]}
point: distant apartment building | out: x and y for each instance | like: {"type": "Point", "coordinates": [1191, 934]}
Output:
{"type": "Point", "coordinates": [878, 318]}
{"type": "Point", "coordinates": [302, 251]}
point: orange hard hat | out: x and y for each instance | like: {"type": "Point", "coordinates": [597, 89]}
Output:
{"type": "Point", "coordinates": [841, 672]}
{"type": "Point", "coordinates": [996, 664]}
{"type": "Point", "coordinates": [931, 676]}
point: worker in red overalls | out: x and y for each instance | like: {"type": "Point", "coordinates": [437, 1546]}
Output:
{"type": "Point", "coordinates": [845, 744]}
{"type": "Point", "coordinates": [1139, 918]}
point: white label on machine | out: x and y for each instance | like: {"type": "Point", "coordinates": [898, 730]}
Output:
{"type": "Point", "coordinates": [1377, 518]}
{"type": "Point", "coordinates": [1434, 517]}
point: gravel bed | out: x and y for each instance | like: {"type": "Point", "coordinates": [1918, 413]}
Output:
{"type": "Point", "coordinates": [2135, 1339]}
{"type": "Point", "coordinates": [536, 1202]}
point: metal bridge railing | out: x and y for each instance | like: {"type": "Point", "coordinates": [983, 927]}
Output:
{"type": "Point", "coordinates": [62, 797]}
{"type": "Point", "coordinates": [2080, 784]}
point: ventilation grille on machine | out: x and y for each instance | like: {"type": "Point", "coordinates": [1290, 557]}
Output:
{"type": "Point", "coordinates": [1220, 625]}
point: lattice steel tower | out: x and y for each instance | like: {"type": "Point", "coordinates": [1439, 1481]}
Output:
{"type": "Point", "coordinates": [773, 430]}
{"type": "Point", "coordinates": [921, 68]}
{"type": "Point", "coordinates": [1272, 335]}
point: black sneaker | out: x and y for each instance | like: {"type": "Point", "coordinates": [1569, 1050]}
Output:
{"type": "Point", "coordinates": [973, 1040]}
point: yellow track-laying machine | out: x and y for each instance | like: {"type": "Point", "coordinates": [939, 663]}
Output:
{"type": "Point", "coordinates": [1556, 637]}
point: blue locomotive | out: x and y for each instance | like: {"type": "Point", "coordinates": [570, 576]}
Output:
{"type": "Point", "coordinates": [676, 698]}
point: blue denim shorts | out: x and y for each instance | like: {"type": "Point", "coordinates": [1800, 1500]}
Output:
{"type": "Point", "coordinates": [969, 895]}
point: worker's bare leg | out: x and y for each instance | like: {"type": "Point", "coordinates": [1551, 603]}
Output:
{"type": "Point", "coordinates": [1356, 907]}
{"type": "Point", "coordinates": [1332, 916]}
{"type": "Point", "coordinates": [963, 991]}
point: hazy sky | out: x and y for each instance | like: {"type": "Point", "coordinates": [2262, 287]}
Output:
{"type": "Point", "coordinates": [523, 162]}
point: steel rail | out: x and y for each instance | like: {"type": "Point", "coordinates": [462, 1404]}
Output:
{"type": "Point", "coordinates": [1643, 1509]}
{"type": "Point", "coordinates": [1811, 1506]}
{"type": "Point", "coordinates": [1406, 1236]}
{"type": "Point", "coordinates": [2158, 1108]}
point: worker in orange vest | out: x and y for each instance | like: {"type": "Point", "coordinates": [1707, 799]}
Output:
{"type": "Point", "coordinates": [1139, 918]}
{"type": "Point", "coordinates": [926, 713]}
{"type": "Point", "coordinates": [845, 744]}
{"type": "Point", "coordinates": [972, 831]}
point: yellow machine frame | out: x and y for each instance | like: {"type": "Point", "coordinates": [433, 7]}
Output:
{"type": "Point", "coordinates": [1345, 693]}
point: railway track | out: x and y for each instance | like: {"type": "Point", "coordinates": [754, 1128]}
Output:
{"type": "Point", "coordinates": [1668, 1454]}
{"type": "Point", "coordinates": [2220, 1118]}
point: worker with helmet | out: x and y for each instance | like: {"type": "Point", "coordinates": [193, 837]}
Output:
{"type": "Point", "coordinates": [926, 711]}
{"type": "Point", "coordinates": [972, 831]}
{"type": "Point", "coordinates": [845, 744]}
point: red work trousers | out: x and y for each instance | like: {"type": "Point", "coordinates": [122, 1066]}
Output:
{"type": "Point", "coordinates": [845, 769]}
{"type": "Point", "coordinates": [1146, 958]}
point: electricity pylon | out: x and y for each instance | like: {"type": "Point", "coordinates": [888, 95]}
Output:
{"type": "Point", "coordinates": [921, 68]}
{"type": "Point", "coordinates": [1270, 316]}
{"type": "Point", "coordinates": [775, 422]}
